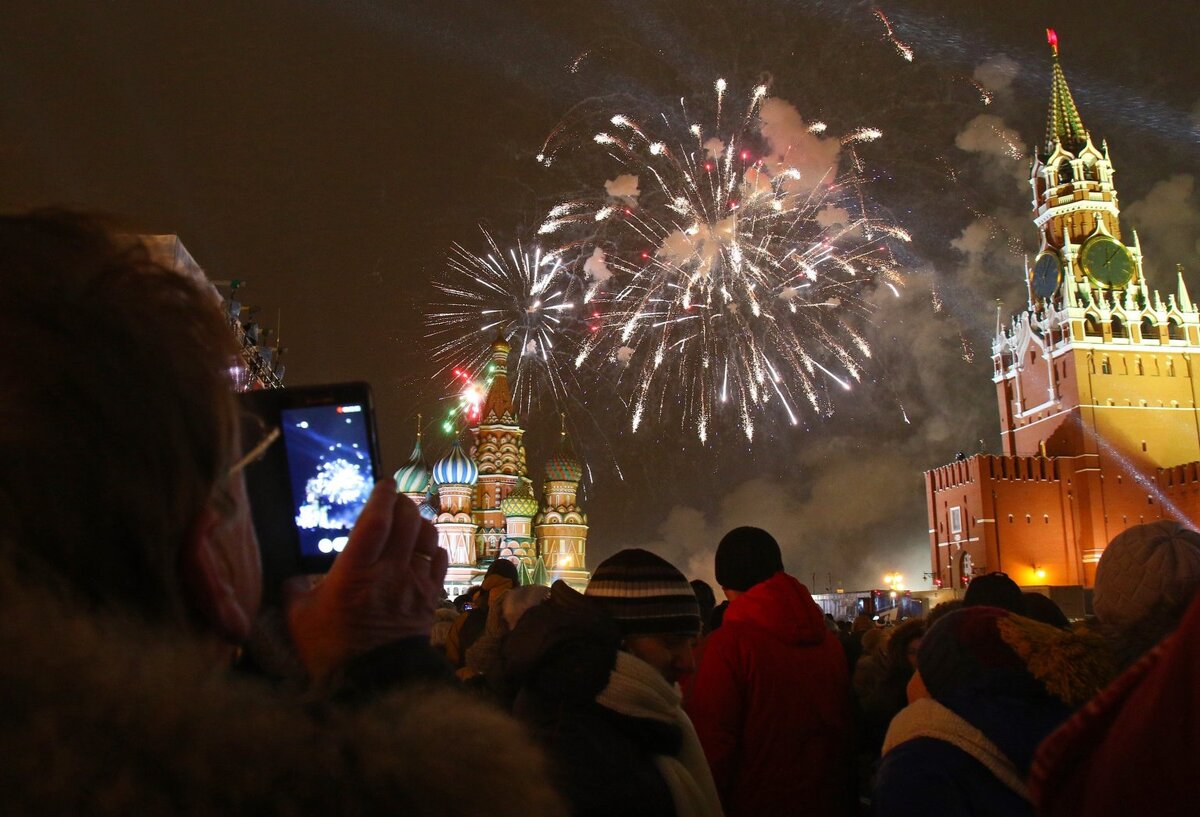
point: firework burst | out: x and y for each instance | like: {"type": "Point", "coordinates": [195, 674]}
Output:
{"type": "Point", "coordinates": [523, 295]}
{"type": "Point", "coordinates": [732, 279]}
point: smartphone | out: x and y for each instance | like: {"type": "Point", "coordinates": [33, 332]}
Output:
{"type": "Point", "coordinates": [310, 485]}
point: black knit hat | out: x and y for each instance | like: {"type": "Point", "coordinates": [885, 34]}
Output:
{"type": "Point", "coordinates": [994, 590]}
{"type": "Point", "coordinates": [503, 567]}
{"type": "Point", "coordinates": [645, 594]}
{"type": "Point", "coordinates": [747, 556]}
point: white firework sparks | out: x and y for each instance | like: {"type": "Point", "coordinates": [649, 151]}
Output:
{"type": "Point", "coordinates": [523, 295]}
{"type": "Point", "coordinates": [736, 282]}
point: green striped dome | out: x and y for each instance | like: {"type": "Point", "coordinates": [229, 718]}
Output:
{"type": "Point", "coordinates": [413, 476]}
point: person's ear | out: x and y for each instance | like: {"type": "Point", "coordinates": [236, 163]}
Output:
{"type": "Point", "coordinates": [208, 578]}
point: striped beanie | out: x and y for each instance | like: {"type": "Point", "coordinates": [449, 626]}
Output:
{"type": "Point", "coordinates": [645, 594]}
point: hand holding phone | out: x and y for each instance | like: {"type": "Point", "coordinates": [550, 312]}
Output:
{"type": "Point", "coordinates": [384, 587]}
{"type": "Point", "coordinates": [307, 491]}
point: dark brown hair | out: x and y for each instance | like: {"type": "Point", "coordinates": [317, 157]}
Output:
{"type": "Point", "coordinates": [117, 418]}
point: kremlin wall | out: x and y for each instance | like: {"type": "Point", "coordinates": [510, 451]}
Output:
{"type": "Point", "coordinates": [1097, 382]}
{"type": "Point", "coordinates": [483, 505]}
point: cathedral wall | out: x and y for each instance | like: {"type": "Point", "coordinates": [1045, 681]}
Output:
{"type": "Point", "coordinates": [562, 546]}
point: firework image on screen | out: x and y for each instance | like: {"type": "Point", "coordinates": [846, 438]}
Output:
{"type": "Point", "coordinates": [329, 464]}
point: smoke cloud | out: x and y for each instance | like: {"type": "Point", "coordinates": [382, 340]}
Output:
{"type": "Point", "coordinates": [596, 268]}
{"type": "Point", "coordinates": [1168, 224]}
{"type": "Point", "coordinates": [832, 216]}
{"type": "Point", "coordinates": [999, 149]}
{"type": "Point", "coordinates": [623, 187]}
{"type": "Point", "coordinates": [792, 144]}
{"type": "Point", "coordinates": [997, 74]}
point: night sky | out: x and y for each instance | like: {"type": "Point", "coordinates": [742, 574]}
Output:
{"type": "Point", "coordinates": [330, 154]}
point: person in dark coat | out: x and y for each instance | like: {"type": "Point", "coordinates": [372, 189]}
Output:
{"type": "Point", "coordinates": [594, 677]}
{"type": "Point", "coordinates": [1133, 747]}
{"type": "Point", "coordinates": [880, 703]}
{"type": "Point", "coordinates": [771, 698]}
{"type": "Point", "coordinates": [990, 686]}
{"type": "Point", "coordinates": [130, 577]}
{"type": "Point", "coordinates": [469, 627]}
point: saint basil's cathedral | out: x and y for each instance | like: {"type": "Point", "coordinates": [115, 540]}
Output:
{"type": "Point", "coordinates": [483, 505]}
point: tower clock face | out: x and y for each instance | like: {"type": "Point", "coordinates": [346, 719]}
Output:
{"type": "Point", "coordinates": [1047, 275]}
{"type": "Point", "coordinates": [1107, 262]}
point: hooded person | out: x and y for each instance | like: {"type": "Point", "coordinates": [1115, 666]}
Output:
{"type": "Point", "coordinates": [990, 686]}
{"type": "Point", "coordinates": [501, 576]}
{"type": "Point", "coordinates": [595, 676]}
{"type": "Point", "coordinates": [483, 657]}
{"type": "Point", "coordinates": [771, 698]}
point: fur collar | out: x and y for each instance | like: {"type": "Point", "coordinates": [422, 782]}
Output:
{"type": "Point", "coordinates": [102, 715]}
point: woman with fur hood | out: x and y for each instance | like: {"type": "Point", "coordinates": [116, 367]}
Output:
{"type": "Point", "coordinates": [990, 686]}
{"type": "Point", "coordinates": [130, 575]}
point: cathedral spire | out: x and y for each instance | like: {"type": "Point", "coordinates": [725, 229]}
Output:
{"type": "Point", "coordinates": [1063, 124]}
{"type": "Point", "coordinates": [498, 406]}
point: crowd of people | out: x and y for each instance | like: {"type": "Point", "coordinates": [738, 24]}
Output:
{"type": "Point", "coordinates": [143, 675]}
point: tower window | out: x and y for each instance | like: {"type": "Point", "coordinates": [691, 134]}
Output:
{"type": "Point", "coordinates": [1149, 329]}
{"type": "Point", "coordinates": [1091, 328]}
{"type": "Point", "coordinates": [1176, 331]}
{"type": "Point", "coordinates": [1105, 367]}
{"type": "Point", "coordinates": [1118, 328]}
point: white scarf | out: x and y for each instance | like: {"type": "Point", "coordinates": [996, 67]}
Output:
{"type": "Point", "coordinates": [926, 718]}
{"type": "Point", "coordinates": [639, 690]}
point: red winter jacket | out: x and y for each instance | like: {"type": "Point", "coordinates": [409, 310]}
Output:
{"type": "Point", "coordinates": [1132, 748]}
{"type": "Point", "coordinates": [771, 704]}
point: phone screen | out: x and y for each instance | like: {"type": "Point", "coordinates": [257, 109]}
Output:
{"type": "Point", "coordinates": [330, 469]}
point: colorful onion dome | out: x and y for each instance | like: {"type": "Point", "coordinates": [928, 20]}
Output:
{"type": "Point", "coordinates": [563, 466]}
{"type": "Point", "coordinates": [456, 468]}
{"type": "Point", "coordinates": [520, 502]}
{"type": "Point", "coordinates": [413, 476]}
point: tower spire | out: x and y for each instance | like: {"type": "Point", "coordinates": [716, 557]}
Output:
{"type": "Point", "coordinates": [1063, 124]}
{"type": "Point", "coordinates": [1181, 293]}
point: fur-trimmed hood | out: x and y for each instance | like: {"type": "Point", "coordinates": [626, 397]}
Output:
{"type": "Point", "coordinates": [103, 716]}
